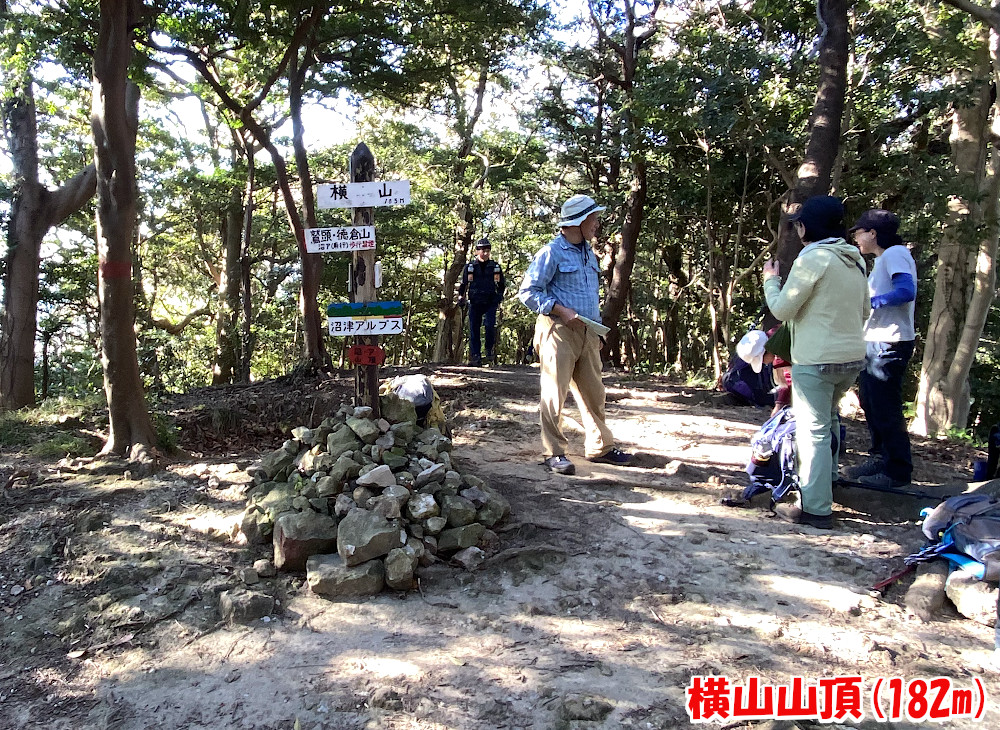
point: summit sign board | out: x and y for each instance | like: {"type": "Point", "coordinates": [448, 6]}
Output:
{"type": "Point", "coordinates": [363, 194]}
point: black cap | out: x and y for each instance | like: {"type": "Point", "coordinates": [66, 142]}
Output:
{"type": "Point", "coordinates": [823, 217]}
{"type": "Point", "coordinates": [883, 222]}
{"type": "Point", "coordinates": [483, 243]}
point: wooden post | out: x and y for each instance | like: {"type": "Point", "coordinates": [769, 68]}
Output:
{"type": "Point", "coordinates": [366, 377]}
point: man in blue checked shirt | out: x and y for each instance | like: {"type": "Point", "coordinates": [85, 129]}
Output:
{"type": "Point", "coordinates": [561, 286]}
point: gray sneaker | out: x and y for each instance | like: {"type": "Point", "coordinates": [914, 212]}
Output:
{"type": "Point", "coordinates": [559, 464]}
{"type": "Point", "coordinates": [868, 467]}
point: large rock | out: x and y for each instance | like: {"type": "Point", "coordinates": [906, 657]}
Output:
{"type": "Point", "coordinates": [496, 508]}
{"type": "Point", "coordinates": [299, 535]}
{"type": "Point", "coordinates": [458, 511]}
{"type": "Point", "coordinates": [380, 476]}
{"type": "Point", "coordinates": [363, 535]}
{"type": "Point", "coordinates": [973, 598]}
{"type": "Point", "coordinates": [422, 506]}
{"type": "Point", "coordinates": [458, 538]}
{"type": "Point", "coordinates": [278, 500]}
{"type": "Point", "coordinates": [328, 576]}
{"type": "Point", "coordinates": [396, 409]}
{"type": "Point", "coordinates": [431, 474]}
{"type": "Point", "coordinates": [256, 526]}
{"type": "Point", "coordinates": [278, 461]}
{"type": "Point", "coordinates": [364, 428]}
{"type": "Point", "coordinates": [345, 468]}
{"type": "Point", "coordinates": [341, 441]}
{"type": "Point", "coordinates": [399, 566]}
{"type": "Point", "coordinates": [242, 605]}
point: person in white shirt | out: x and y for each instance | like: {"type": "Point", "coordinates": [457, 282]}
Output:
{"type": "Point", "coordinates": [889, 339]}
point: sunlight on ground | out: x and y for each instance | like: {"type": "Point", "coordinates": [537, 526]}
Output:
{"type": "Point", "coordinates": [383, 667]}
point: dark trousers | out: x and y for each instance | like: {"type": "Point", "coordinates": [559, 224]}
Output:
{"type": "Point", "coordinates": [479, 315]}
{"type": "Point", "coordinates": [881, 391]}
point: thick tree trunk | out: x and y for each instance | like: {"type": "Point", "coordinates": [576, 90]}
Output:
{"type": "Point", "coordinates": [114, 120]}
{"type": "Point", "coordinates": [33, 212]}
{"type": "Point", "coordinates": [247, 336]}
{"type": "Point", "coordinates": [816, 171]}
{"type": "Point", "coordinates": [966, 267]}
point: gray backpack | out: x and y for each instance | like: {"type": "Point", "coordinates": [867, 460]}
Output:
{"type": "Point", "coordinates": [964, 529]}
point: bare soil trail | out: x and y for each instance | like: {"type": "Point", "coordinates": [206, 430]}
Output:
{"type": "Point", "coordinates": [608, 591]}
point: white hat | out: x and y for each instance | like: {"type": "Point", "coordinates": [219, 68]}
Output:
{"type": "Point", "coordinates": [751, 349]}
{"type": "Point", "coordinates": [576, 209]}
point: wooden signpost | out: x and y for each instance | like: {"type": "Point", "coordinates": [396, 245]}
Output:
{"type": "Point", "coordinates": [363, 318]}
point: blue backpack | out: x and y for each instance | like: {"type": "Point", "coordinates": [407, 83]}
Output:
{"type": "Point", "coordinates": [772, 464]}
{"type": "Point", "coordinates": [965, 530]}
{"type": "Point", "coordinates": [772, 457]}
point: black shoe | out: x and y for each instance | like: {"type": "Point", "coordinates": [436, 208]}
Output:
{"type": "Point", "coordinates": [795, 515]}
{"type": "Point", "coordinates": [559, 464]}
{"type": "Point", "coordinates": [615, 457]}
{"type": "Point", "coordinates": [868, 467]}
{"type": "Point", "coordinates": [883, 481]}
{"type": "Point", "coordinates": [475, 363]}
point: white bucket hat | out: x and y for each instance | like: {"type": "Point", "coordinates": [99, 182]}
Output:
{"type": "Point", "coordinates": [576, 209]}
{"type": "Point", "coordinates": [751, 349]}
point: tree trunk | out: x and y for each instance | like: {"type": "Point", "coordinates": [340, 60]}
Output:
{"type": "Point", "coordinates": [816, 171]}
{"type": "Point", "coordinates": [247, 336]}
{"type": "Point", "coordinates": [34, 211]}
{"type": "Point", "coordinates": [312, 263]}
{"type": "Point", "coordinates": [450, 336]}
{"type": "Point", "coordinates": [227, 335]}
{"type": "Point", "coordinates": [966, 266]}
{"type": "Point", "coordinates": [115, 122]}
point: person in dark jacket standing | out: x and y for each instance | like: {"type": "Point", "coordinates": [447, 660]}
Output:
{"type": "Point", "coordinates": [483, 287]}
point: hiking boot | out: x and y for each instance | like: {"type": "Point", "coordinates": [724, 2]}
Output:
{"type": "Point", "coordinates": [795, 515]}
{"type": "Point", "coordinates": [868, 467]}
{"type": "Point", "coordinates": [559, 464]}
{"type": "Point", "coordinates": [882, 481]}
{"type": "Point", "coordinates": [615, 457]}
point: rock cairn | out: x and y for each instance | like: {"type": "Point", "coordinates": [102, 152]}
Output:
{"type": "Point", "coordinates": [361, 503]}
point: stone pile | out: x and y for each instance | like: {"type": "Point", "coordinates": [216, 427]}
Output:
{"type": "Point", "coordinates": [361, 503]}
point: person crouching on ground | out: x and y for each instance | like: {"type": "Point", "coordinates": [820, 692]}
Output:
{"type": "Point", "coordinates": [560, 286]}
{"type": "Point", "coordinates": [889, 336]}
{"type": "Point", "coordinates": [824, 302]}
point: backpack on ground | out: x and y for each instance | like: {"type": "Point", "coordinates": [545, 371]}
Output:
{"type": "Point", "coordinates": [965, 530]}
{"type": "Point", "coordinates": [773, 461]}
{"type": "Point", "coordinates": [748, 387]}
{"type": "Point", "coordinates": [772, 457]}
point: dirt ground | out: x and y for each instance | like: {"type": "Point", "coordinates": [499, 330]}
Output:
{"type": "Point", "coordinates": [610, 589]}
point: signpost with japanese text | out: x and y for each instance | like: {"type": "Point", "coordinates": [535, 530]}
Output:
{"type": "Point", "coordinates": [363, 317]}
{"type": "Point", "coordinates": [337, 240]}
{"type": "Point", "coordinates": [362, 194]}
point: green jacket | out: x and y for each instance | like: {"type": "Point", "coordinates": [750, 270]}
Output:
{"type": "Point", "coordinates": [824, 302]}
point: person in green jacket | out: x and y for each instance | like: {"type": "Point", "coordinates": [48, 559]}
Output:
{"type": "Point", "coordinates": [824, 303]}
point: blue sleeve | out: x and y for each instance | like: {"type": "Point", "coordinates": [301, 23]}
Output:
{"type": "Point", "coordinates": [904, 290]}
{"type": "Point", "coordinates": [534, 288]}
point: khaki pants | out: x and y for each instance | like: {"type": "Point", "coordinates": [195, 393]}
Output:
{"type": "Point", "coordinates": [571, 360]}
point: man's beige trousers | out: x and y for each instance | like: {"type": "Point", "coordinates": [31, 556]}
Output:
{"type": "Point", "coordinates": [571, 360]}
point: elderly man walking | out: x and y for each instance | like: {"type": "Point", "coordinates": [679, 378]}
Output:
{"type": "Point", "coordinates": [561, 286]}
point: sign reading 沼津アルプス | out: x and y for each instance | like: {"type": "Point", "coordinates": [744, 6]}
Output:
{"type": "Point", "coordinates": [363, 194]}
{"type": "Point", "coordinates": [333, 240]}
{"type": "Point", "coordinates": [348, 319]}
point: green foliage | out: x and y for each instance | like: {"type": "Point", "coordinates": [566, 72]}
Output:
{"type": "Point", "coordinates": [52, 430]}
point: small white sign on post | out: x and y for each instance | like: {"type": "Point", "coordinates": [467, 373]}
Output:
{"type": "Point", "coordinates": [352, 326]}
{"type": "Point", "coordinates": [335, 240]}
{"type": "Point", "coordinates": [363, 194]}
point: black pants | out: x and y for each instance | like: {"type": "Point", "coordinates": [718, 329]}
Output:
{"type": "Point", "coordinates": [479, 315]}
{"type": "Point", "coordinates": [881, 391]}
